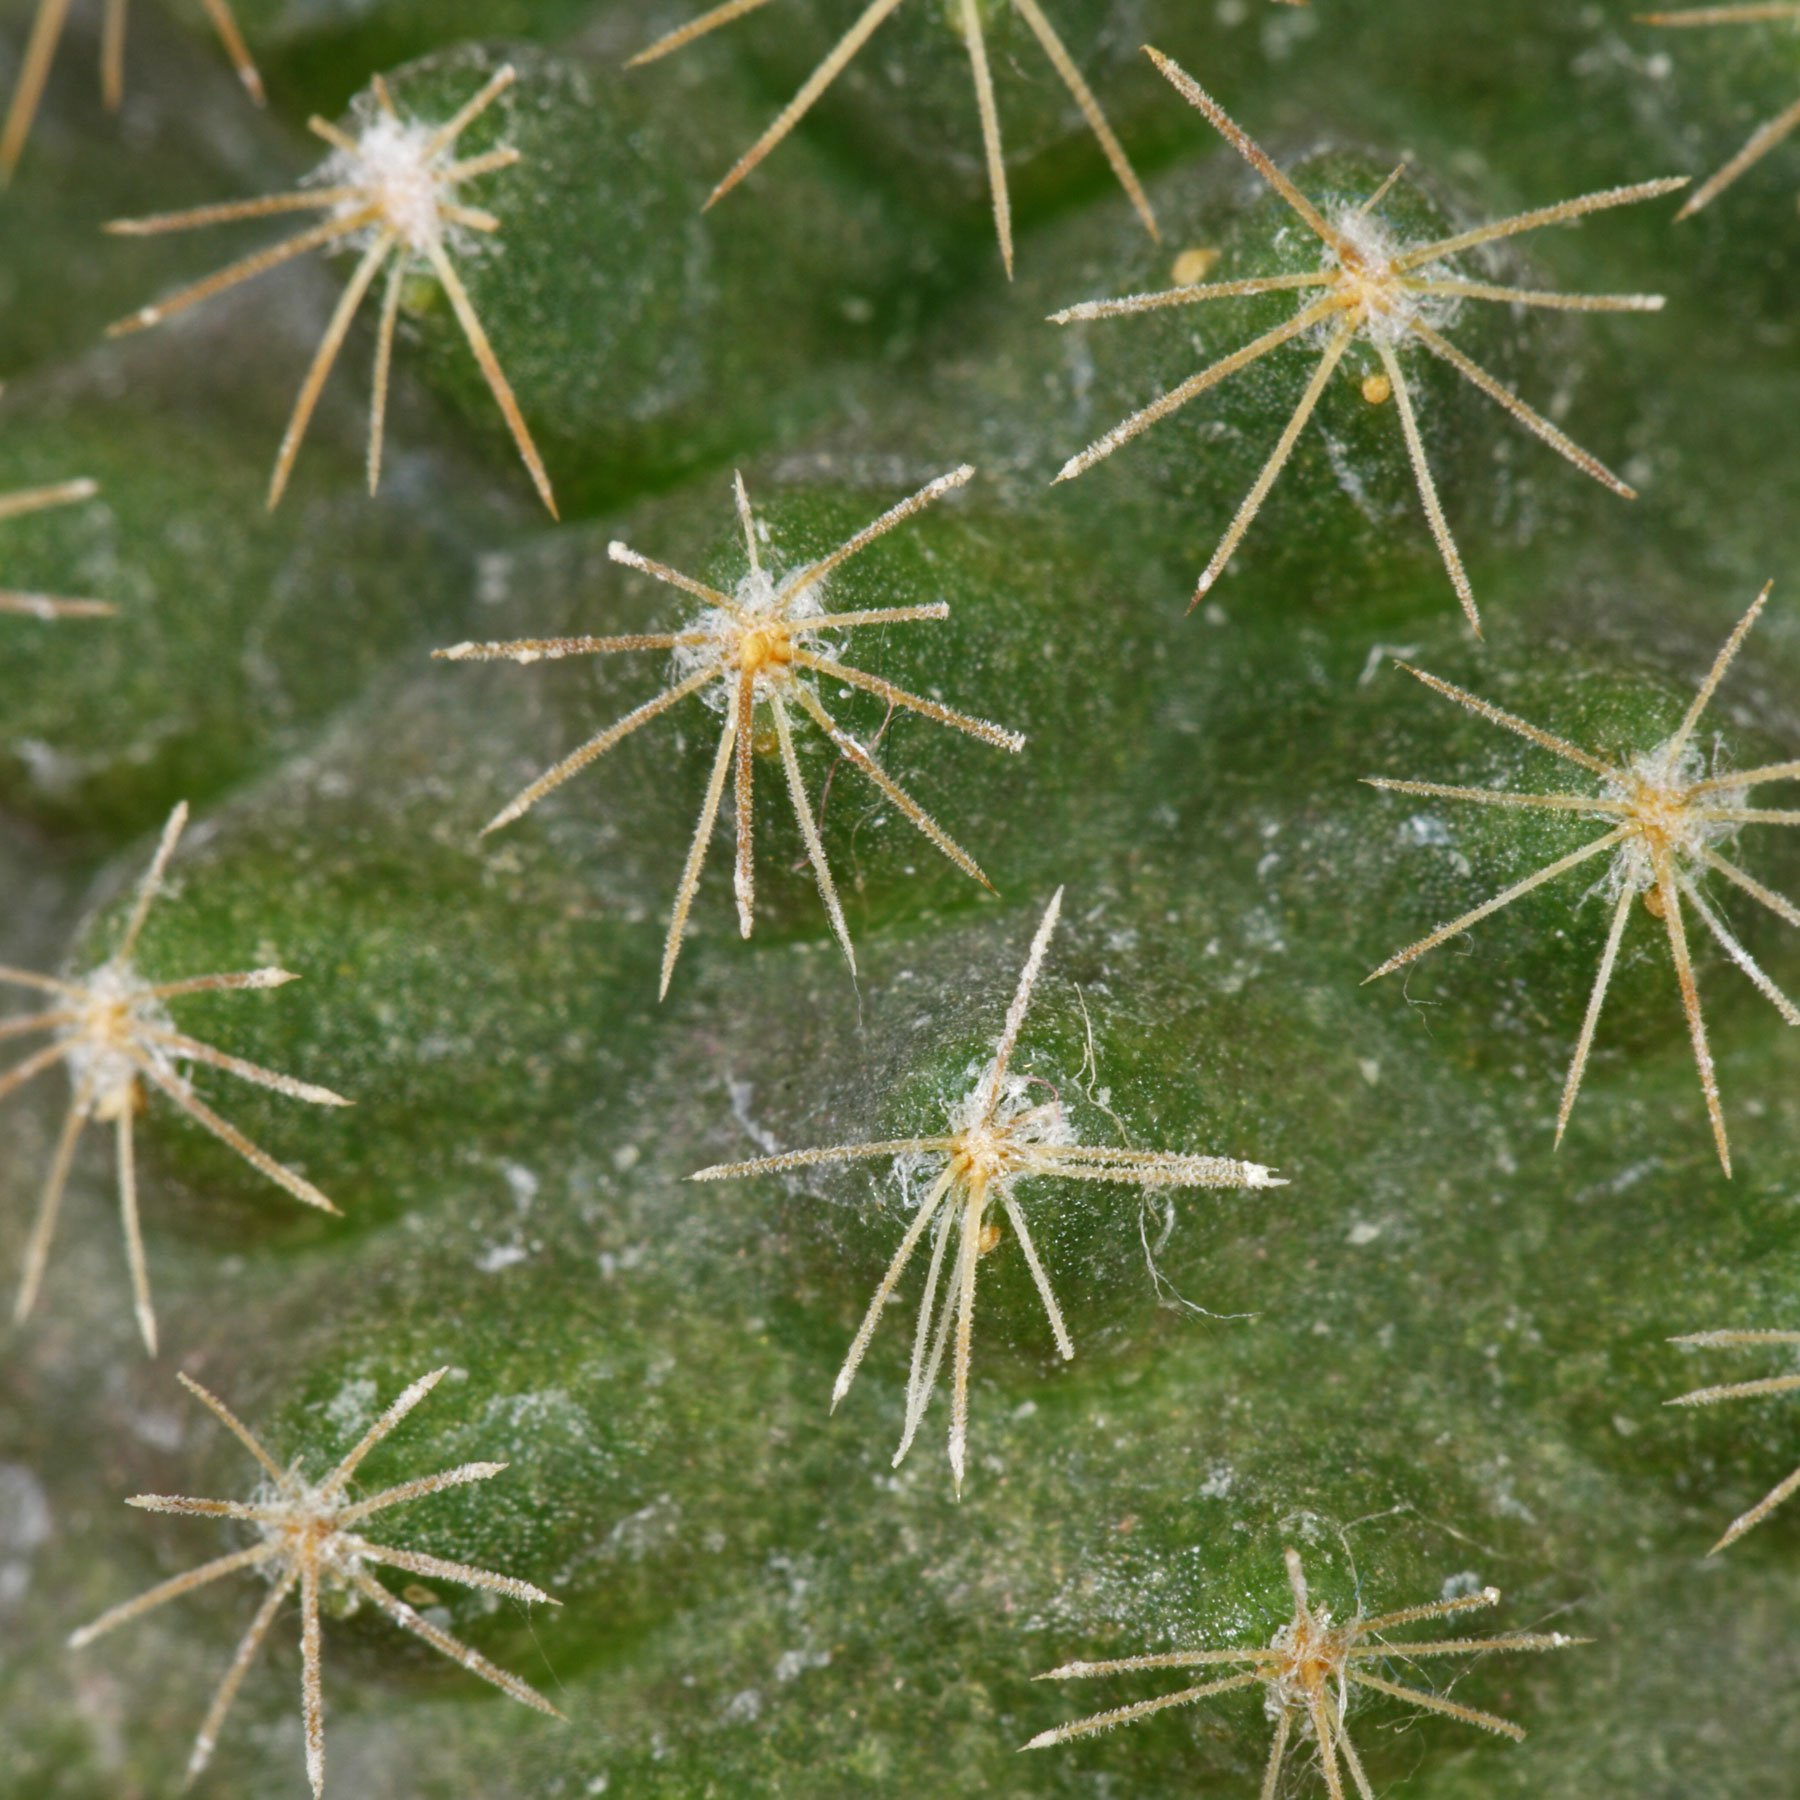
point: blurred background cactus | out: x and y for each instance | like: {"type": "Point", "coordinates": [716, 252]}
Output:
{"type": "Point", "coordinates": [1436, 1361]}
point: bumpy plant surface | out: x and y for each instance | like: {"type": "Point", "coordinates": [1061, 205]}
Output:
{"type": "Point", "coordinates": [1434, 1362]}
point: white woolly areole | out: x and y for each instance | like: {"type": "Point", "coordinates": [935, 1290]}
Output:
{"type": "Point", "coordinates": [1375, 248]}
{"type": "Point", "coordinates": [396, 170]}
{"type": "Point", "coordinates": [300, 1515]}
{"type": "Point", "coordinates": [756, 592]}
{"type": "Point", "coordinates": [756, 596]}
{"type": "Point", "coordinates": [1026, 1113]}
{"type": "Point", "coordinates": [1285, 1692]}
{"type": "Point", "coordinates": [1651, 791]}
{"type": "Point", "coordinates": [115, 999]}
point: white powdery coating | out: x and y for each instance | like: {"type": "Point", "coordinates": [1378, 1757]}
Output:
{"type": "Point", "coordinates": [309, 1513]}
{"type": "Point", "coordinates": [1023, 1114]}
{"type": "Point", "coordinates": [757, 592]}
{"type": "Point", "coordinates": [394, 167]}
{"type": "Point", "coordinates": [686, 660]}
{"type": "Point", "coordinates": [757, 595]}
{"type": "Point", "coordinates": [1400, 308]}
{"type": "Point", "coordinates": [1023, 1122]}
{"type": "Point", "coordinates": [760, 593]}
{"type": "Point", "coordinates": [1284, 1692]}
{"type": "Point", "coordinates": [1653, 793]}
{"type": "Point", "coordinates": [117, 1005]}
{"type": "Point", "coordinates": [1252, 1175]}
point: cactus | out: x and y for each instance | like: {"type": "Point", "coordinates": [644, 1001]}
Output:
{"type": "Point", "coordinates": [1431, 1364]}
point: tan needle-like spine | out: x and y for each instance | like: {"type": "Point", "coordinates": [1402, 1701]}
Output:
{"type": "Point", "coordinates": [17, 505]}
{"type": "Point", "coordinates": [997, 1136]}
{"type": "Point", "coordinates": [307, 1541]}
{"type": "Point", "coordinates": [1309, 1671]}
{"type": "Point", "coordinates": [392, 191]}
{"type": "Point", "coordinates": [762, 649]}
{"type": "Point", "coordinates": [40, 51]}
{"type": "Point", "coordinates": [1367, 287]}
{"type": "Point", "coordinates": [1763, 1388]}
{"type": "Point", "coordinates": [965, 17]}
{"type": "Point", "coordinates": [112, 1030]}
{"type": "Point", "coordinates": [1771, 132]}
{"type": "Point", "coordinates": [1667, 815]}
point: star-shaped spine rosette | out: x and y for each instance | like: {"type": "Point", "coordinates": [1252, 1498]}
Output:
{"type": "Point", "coordinates": [965, 17]}
{"type": "Point", "coordinates": [307, 1538]}
{"type": "Point", "coordinates": [1307, 1671]}
{"type": "Point", "coordinates": [44, 606]}
{"type": "Point", "coordinates": [1667, 810]}
{"type": "Point", "coordinates": [762, 646]}
{"type": "Point", "coordinates": [40, 52]}
{"type": "Point", "coordinates": [389, 190]}
{"type": "Point", "coordinates": [1767, 135]}
{"type": "Point", "coordinates": [997, 1135]}
{"type": "Point", "coordinates": [113, 1030]}
{"type": "Point", "coordinates": [1746, 1390]}
{"type": "Point", "coordinates": [1373, 288]}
